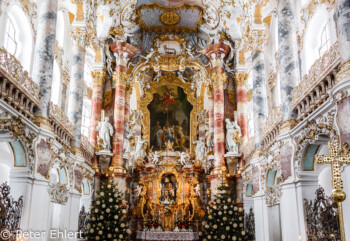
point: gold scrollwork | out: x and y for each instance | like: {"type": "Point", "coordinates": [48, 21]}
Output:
{"type": "Point", "coordinates": [171, 78]}
{"type": "Point", "coordinates": [166, 11]}
{"type": "Point", "coordinates": [170, 18]}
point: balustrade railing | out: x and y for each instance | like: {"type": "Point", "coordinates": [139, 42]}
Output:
{"type": "Point", "coordinates": [61, 125]}
{"type": "Point", "coordinates": [312, 90]}
{"type": "Point", "coordinates": [87, 149]}
{"type": "Point", "coordinates": [271, 128]}
{"type": "Point", "coordinates": [17, 88]}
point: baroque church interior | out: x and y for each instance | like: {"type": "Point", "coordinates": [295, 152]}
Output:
{"type": "Point", "coordinates": [174, 120]}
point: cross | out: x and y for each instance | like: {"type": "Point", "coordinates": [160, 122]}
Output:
{"type": "Point", "coordinates": [336, 160]}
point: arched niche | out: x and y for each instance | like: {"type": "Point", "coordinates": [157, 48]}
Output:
{"type": "Point", "coordinates": [171, 79]}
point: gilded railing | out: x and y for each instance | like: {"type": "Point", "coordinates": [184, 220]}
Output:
{"type": "Point", "coordinates": [61, 125]}
{"type": "Point", "coordinates": [273, 119]}
{"type": "Point", "coordinates": [318, 71]}
{"type": "Point", "coordinates": [13, 70]}
{"type": "Point", "coordinates": [87, 148]}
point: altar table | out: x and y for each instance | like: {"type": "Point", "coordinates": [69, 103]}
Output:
{"type": "Point", "coordinates": [167, 236]}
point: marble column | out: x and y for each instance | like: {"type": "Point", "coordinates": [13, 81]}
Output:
{"type": "Point", "coordinates": [242, 108]}
{"type": "Point", "coordinates": [259, 95]}
{"type": "Point", "coordinates": [119, 79]}
{"type": "Point", "coordinates": [96, 103]}
{"type": "Point", "coordinates": [123, 52]}
{"type": "Point", "coordinates": [287, 59]}
{"type": "Point", "coordinates": [219, 79]}
{"type": "Point", "coordinates": [127, 106]}
{"type": "Point", "coordinates": [211, 107]}
{"type": "Point", "coordinates": [44, 59]}
{"type": "Point", "coordinates": [76, 87]}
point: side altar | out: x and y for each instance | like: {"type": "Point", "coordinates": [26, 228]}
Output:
{"type": "Point", "coordinates": [169, 191]}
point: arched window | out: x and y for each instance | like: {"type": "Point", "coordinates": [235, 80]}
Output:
{"type": "Point", "coordinates": [85, 125]}
{"type": "Point", "coordinates": [11, 38]}
{"type": "Point", "coordinates": [325, 40]}
{"type": "Point", "coordinates": [18, 38]}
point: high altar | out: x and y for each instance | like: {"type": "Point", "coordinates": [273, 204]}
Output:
{"type": "Point", "coordinates": [170, 105]}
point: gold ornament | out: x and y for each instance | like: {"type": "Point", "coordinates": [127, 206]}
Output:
{"type": "Point", "coordinates": [170, 18]}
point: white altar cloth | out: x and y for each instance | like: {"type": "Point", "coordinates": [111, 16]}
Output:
{"type": "Point", "coordinates": [144, 235]}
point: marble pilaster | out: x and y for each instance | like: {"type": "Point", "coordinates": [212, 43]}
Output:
{"type": "Point", "coordinates": [96, 104]}
{"type": "Point", "coordinates": [259, 95]}
{"type": "Point", "coordinates": [44, 59]}
{"type": "Point", "coordinates": [242, 108]}
{"type": "Point", "coordinates": [76, 88]}
{"type": "Point", "coordinates": [288, 56]}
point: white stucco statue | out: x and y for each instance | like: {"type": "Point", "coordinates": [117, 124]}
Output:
{"type": "Point", "coordinates": [184, 156]}
{"type": "Point", "coordinates": [128, 133]}
{"type": "Point", "coordinates": [138, 190]}
{"type": "Point", "coordinates": [233, 135]}
{"type": "Point", "coordinates": [197, 190]}
{"type": "Point", "coordinates": [200, 149]}
{"type": "Point", "coordinates": [148, 56]}
{"type": "Point", "coordinates": [155, 157]}
{"type": "Point", "coordinates": [209, 136]}
{"type": "Point", "coordinates": [139, 152]}
{"type": "Point", "coordinates": [105, 131]}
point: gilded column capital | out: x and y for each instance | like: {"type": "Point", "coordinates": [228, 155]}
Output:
{"type": "Point", "coordinates": [98, 76]}
{"type": "Point", "coordinates": [120, 77]}
{"type": "Point", "coordinates": [219, 79]}
{"type": "Point", "coordinates": [257, 40]}
{"type": "Point", "coordinates": [241, 79]}
{"type": "Point", "coordinates": [79, 37]}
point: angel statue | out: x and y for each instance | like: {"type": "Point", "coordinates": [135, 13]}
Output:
{"type": "Point", "coordinates": [148, 56]}
{"type": "Point", "coordinates": [138, 190]}
{"type": "Point", "coordinates": [184, 156]}
{"type": "Point", "coordinates": [197, 189]}
{"type": "Point", "coordinates": [200, 149]}
{"type": "Point", "coordinates": [155, 157]}
{"type": "Point", "coordinates": [139, 152]}
{"type": "Point", "coordinates": [209, 136]}
{"type": "Point", "coordinates": [233, 135]}
{"type": "Point", "coordinates": [128, 133]}
{"type": "Point", "coordinates": [105, 131]}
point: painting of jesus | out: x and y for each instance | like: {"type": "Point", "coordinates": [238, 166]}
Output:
{"type": "Point", "coordinates": [170, 117]}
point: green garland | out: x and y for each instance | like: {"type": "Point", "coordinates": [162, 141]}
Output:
{"type": "Point", "coordinates": [107, 220]}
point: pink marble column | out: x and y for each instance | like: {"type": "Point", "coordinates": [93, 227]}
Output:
{"type": "Point", "coordinates": [124, 52]}
{"type": "Point", "coordinates": [127, 107]}
{"type": "Point", "coordinates": [119, 78]}
{"type": "Point", "coordinates": [242, 110]}
{"type": "Point", "coordinates": [96, 104]}
{"type": "Point", "coordinates": [219, 114]}
{"type": "Point", "coordinates": [216, 53]}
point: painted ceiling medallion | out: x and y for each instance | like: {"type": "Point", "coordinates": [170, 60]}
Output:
{"type": "Point", "coordinates": [170, 18]}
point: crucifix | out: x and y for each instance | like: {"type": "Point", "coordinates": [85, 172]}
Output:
{"type": "Point", "coordinates": [336, 159]}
